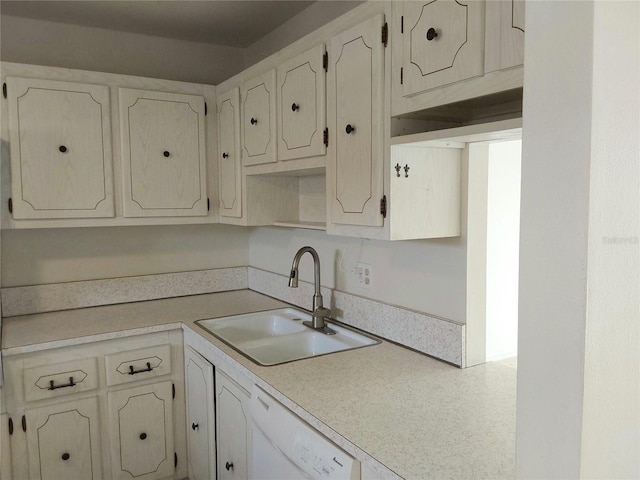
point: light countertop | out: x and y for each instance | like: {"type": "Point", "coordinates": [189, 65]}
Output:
{"type": "Point", "coordinates": [402, 413]}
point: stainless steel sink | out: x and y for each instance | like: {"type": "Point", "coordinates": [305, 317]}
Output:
{"type": "Point", "coordinates": [278, 336]}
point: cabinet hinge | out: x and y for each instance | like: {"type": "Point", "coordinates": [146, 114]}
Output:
{"type": "Point", "coordinates": [325, 61]}
{"type": "Point", "coordinates": [205, 109]}
{"type": "Point", "coordinates": [325, 137]}
{"type": "Point", "coordinates": [402, 24]}
{"type": "Point", "coordinates": [173, 390]}
{"type": "Point", "coordinates": [24, 423]}
{"type": "Point", "coordinates": [4, 90]}
{"type": "Point", "coordinates": [208, 204]}
{"type": "Point", "coordinates": [10, 426]}
{"type": "Point", "coordinates": [383, 206]}
{"type": "Point", "coordinates": [10, 205]}
{"type": "Point", "coordinates": [175, 459]}
{"type": "Point", "coordinates": [385, 34]}
{"type": "Point", "coordinates": [401, 75]}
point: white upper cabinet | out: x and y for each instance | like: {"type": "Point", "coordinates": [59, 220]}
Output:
{"type": "Point", "coordinates": [163, 154]}
{"type": "Point", "coordinates": [504, 34]}
{"type": "Point", "coordinates": [61, 163]}
{"type": "Point", "coordinates": [229, 170]}
{"type": "Point", "coordinates": [355, 116]}
{"type": "Point", "coordinates": [258, 123]}
{"type": "Point", "coordinates": [442, 43]}
{"type": "Point", "coordinates": [301, 105]}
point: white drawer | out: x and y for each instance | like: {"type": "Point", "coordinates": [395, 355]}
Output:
{"type": "Point", "coordinates": [51, 381]}
{"type": "Point", "coordinates": [140, 364]}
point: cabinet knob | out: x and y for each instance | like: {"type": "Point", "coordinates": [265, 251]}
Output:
{"type": "Point", "coordinates": [65, 456]}
{"type": "Point", "coordinates": [195, 426]}
{"type": "Point", "coordinates": [228, 466]}
{"type": "Point", "coordinates": [62, 149]}
{"type": "Point", "coordinates": [295, 107]}
{"type": "Point", "coordinates": [406, 171]}
{"type": "Point", "coordinates": [225, 155]}
{"type": "Point", "coordinates": [253, 121]}
{"type": "Point", "coordinates": [143, 436]}
{"type": "Point", "coordinates": [398, 168]}
{"type": "Point", "coordinates": [350, 129]}
{"type": "Point", "coordinates": [432, 34]}
{"type": "Point", "coordinates": [166, 153]}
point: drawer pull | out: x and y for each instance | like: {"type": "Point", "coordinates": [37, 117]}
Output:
{"type": "Point", "coordinates": [195, 426]}
{"type": "Point", "coordinates": [135, 372]}
{"type": "Point", "coordinates": [228, 466]}
{"type": "Point", "coordinates": [65, 456]}
{"type": "Point", "coordinates": [432, 33]}
{"type": "Point", "coordinates": [295, 107]}
{"type": "Point", "coordinates": [225, 155]}
{"type": "Point", "coordinates": [253, 121]}
{"type": "Point", "coordinates": [143, 436]}
{"type": "Point", "coordinates": [52, 386]}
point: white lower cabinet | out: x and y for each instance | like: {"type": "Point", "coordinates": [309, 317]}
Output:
{"type": "Point", "coordinates": [201, 421]}
{"type": "Point", "coordinates": [232, 417]}
{"type": "Point", "coordinates": [63, 441]}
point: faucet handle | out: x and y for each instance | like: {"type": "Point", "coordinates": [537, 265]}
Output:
{"type": "Point", "coordinates": [321, 312]}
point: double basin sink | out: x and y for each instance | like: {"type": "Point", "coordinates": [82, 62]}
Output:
{"type": "Point", "coordinates": [278, 336]}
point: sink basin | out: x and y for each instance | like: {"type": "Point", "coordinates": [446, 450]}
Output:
{"type": "Point", "coordinates": [278, 336]}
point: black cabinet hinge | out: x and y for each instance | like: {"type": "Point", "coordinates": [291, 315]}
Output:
{"type": "Point", "coordinates": [173, 390]}
{"type": "Point", "coordinates": [385, 33]}
{"type": "Point", "coordinates": [401, 75]}
{"type": "Point", "coordinates": [175, 459]}
{"type": "Point", "coordinates": [208, 204]}
{"type": "Point", "coordinates": [10, 426]}
{"type": "Point", "coordinates": [325, 137]}
{"type": "Point", "coordinates": [10, 205]}
{"type": "Point", "coordinates": [325, 61]}
{"type": "Point", "coordinates": [4, 90]}
{"type": "Point", "coordinates": [402, 24]}
{"type": "Point", "coordinates": [383, 206]}
{"type": "Point", "coordinates": [24, 423]}
{"type": "Point", "coordinates": [205, 109]}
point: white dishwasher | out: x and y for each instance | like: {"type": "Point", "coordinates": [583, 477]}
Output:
{"type": "Point", "coordinates": [283, 447]}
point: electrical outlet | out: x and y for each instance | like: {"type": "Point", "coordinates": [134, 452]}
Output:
{"type": "Point", "coordinates": [365, 275]}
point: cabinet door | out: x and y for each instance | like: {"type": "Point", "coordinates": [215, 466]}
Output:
{"type": "Point", "coordinates": [443, 42]}
{"type": "Point", "coordinates": [301, 106]}
{"type": "Point", "coordinates": [60, 149]}
{"type": "Point", "coordinates": [201, 434]}
{"type": "Point", "coordinates": [259, 119]}
{"type": "Point", "coordinates": [355, 111]}
{"type": "Point", "coordinates": [504, 40]}
{"type": "Point", "coordinates": [163, 154]}
{"type": "Point", "coordinates": [63, 441]}
{"type": "Point", "coordinates": [232, 407]}
{"type": "Point", "coordinates": [229, 153]}
{"type": "Point", "coordinates": [141, 431]}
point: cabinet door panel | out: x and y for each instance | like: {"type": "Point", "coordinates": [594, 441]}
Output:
{"type": "Point", "coordinates": [232, 416]}
{"type": "Point", "coordinates": [259, 119]}
{"type": "Point", "coordinates": [163, 154]}
{"type": "Point", "coordinates": [355, 93]}
{"type": "Point", "coordinates": [504, 39]}
{"type": "Point", "coordinates": [63, 441]}
{"type": "Point", "coordinates": [301, 106]}
{"type": "Point", "coordinates": [229, 153]}
{"type": "Point", "coordinates": [60, 149]}
{"type": "Point", "coordinates": [200, 416]}
{"type": "Point", "coordinates": [443, 43]}
{"type": "Point", "coordinates": [141, 430]}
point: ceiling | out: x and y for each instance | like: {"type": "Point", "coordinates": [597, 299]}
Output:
{"type": "Point", "coordinates": [237, 23]}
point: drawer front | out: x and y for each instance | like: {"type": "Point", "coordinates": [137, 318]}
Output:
{"type": "Point", "coordinates": [51, 381]}
{"type": "Point", "coordinates": [140, 364]}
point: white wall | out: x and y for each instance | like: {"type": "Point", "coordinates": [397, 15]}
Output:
{"type": "Point", "coordinates": [38, 42]}
{"type": "Point", "coordinates": [33, 257]}
{"type": "Point", "coordinates": [577, 402]}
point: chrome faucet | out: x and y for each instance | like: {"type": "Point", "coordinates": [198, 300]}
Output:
{"type": "Point", "coordinates": [319, 312]}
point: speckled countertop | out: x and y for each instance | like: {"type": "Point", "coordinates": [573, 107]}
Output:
{"type": "Point", "coordinates": [402, 413]}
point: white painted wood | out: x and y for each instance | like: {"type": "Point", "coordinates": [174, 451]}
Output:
{"type": "Point", "coordinates": [501, 130]}
{"type": "Point", "coordinates": [456, 53]}
{"type": "Point", "coordinates": [229, 162]}
{"type": "Point", "coordinates": [504, 37]}
{"type": "Point", "coordinates": [67, 428]}
{"type": "Point", "coordinates": [163, 154]}
{"type": "Point", "coordinates": [120, 365]}
{"type": "Point", "coordinates": [5, 449]}
{"type": "Point", "coordinates": [45, 118]}
{"type": "Point", "coordinates": [258, 121]}
{"type": "Point", "coordinates": [355, 98]}
{"type": "Point", "coordinates": [301, 106]}
{"type": "Point", "coordinates": [270, 199]}
{"type": "Point", "coordinates": [201, 423]}
{"type": "Point", "coordinates": [141, 431]}
{"type": "Point", "coordinates": [312, 203]}
{"type": "Point", "coordinates": [37, 380]}
{"type": "Point", "coordinates": [232, 415]}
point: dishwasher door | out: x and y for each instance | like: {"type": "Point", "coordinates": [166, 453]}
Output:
{"type": "Point", "coordinates": [283, 447]}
